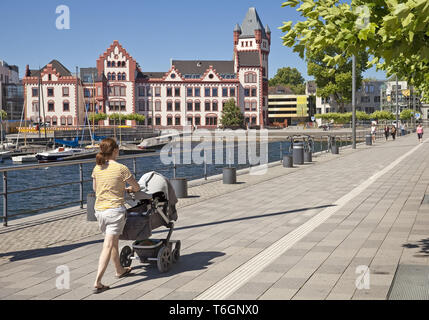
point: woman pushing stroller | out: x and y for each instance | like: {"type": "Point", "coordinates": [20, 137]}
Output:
{"type": "Point", "coordinates": [109, 183]}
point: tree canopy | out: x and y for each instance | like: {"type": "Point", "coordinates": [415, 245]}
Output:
{"type": "Point", "coordinates": [231, 115]}
{"type": "Point", "coordinates": [394, 32]}
{"type": "Point", "coordinates": [290, 77]}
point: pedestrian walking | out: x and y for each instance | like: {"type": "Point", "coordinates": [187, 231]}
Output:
{"type": "Point", "coordinates": [373, 132]}
{"type": "Point", "coordinates": [393, 132]}
{"type": "Point", "coordinates": [386, 132]}
{"type": "Point", "coordinates": [402, 129]}
{"type": "Point", "coordinates": [109, 183]}
{"type": "Point", "coordinates": [420, 132]}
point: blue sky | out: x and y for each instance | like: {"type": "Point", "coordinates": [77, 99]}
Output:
{"type": "Point", "coordinates": [153, 32]}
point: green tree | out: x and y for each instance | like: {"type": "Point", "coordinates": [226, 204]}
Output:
{"type": "Point", "coordinates": [231, 115]}
{"type": "Point", "coordinates": [290, 77]}
{"type": "Point", "coordinates": [394, 32]}
{"type": "Point", "coordinates": [406, 114]}
{"type": "Point", "coordinates": [97, 117]}
{"type": "Point", "coordinates": [135, 116]}
{"type": "Point", "coordinates": [336, 84]}
{"type": "Point", "coordinates": [382, 115]}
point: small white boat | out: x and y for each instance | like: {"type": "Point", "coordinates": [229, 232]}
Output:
{"type": "Point", "coordinates": [26, 158]}
{"type": "Point", "coordinates": [5, 154]}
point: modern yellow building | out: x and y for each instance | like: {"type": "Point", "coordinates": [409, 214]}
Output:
{"type": "Point", "coordinates": [285, 107]}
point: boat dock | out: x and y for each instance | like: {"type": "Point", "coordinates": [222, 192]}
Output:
{"type": "Point", "coordinates": [348, 226]}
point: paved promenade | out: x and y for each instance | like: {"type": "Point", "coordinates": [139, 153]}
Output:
{"type": "Point", "coordinates": [296, 233]}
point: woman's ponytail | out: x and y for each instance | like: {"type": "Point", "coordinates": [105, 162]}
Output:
{"type": "Point", "coordinates": [107, 147]}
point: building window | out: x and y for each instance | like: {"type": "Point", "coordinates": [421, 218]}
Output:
{"type": "Point", "coordinates": [247, 92]}
{"type": "Point", "coordinates": [109, 64]}
{"type": "Point", "coordinates": [214, 92]}
{"type": "Point", "coordinates": [214, 107]}
{"type": "Point", "coordinates": [224, 92]}
{"type": "Point", "coordinates": [124, 76]}
{"type": "Point", "coordinates": [189, 92]}
{"type": "Point", "coordinates": [69, 120]}
{"type": "Point", "coordinates": [254, 104]}
{"type": "Point", "coordinates": [35, 92]}
{"type": "Point", "coordinates": [157, 91]}
{"type": "Point", "coordinates": [50, 92]}
{"type": "Point", "coordinates": [86, 93]}
{"type": "Point", "coordinates": [197, 106]}
{"type": "Point", "coordinates": [157, 105]}
{"type": "Point", "coordinates": [113, 76]}
{"type": "Point", "coordinates": [158, 121]}
{"type": "Point", "coordinates": [123, 106]}
{"type": "Point", "coordinates": [211, 121]}
{"type": "Point", "coordinates": [232, 92]}
{"type": "Point", "coordinates": [177, 92]}
{"type": "Point", "coordinates": [250, 77]}
{"type": "Point", "coordinates": [177, 121]}
{"type": "Point", "coordinates": [364, 99]}
{"type": "Point", "coordinates": [207, 106]}
{"type": "Point", "coordinates": [177, 106]}
{"type": "Point", "coordinates": [51, 106]}
{"type": "Point", "coordinates": [207, 92]}
{"type": "Point", "coordinates": [169, 121]}
{"type": "Point", "coordinates": [149, 121]}
{"type": "Point", "coordinates": [66, 106]}
{"type": "Point", "coordinates": [253, 92]}
{"type": "Point", "coordinates": [141, 105]}
{"type": "Point", "coordinates": [109, 76]}
{"type": "Point", "coordinates": [189, 106]}
{"type": "Point", "coordinates": [49, 77]}
{"type": "Point", "coordinates": [197, 92]}
{"type": "Point", "coordinates": [141, 91]}
{"type": "Point", "coordinates": [169, 106]}
{"type": "Point", "coordinates": [35, 107]}
{"type": "Point", "coordinates": [247, 105]}
{"type": "Point", "coordinates": [169, 92]}
{"type": "Point", "coordinates": [65, 91]}
{"type": "Point", "coordinates": [123, 91]}
{"type": "Point", "coordinates": [190, 121]}
{"type": "Point", "coordinates": [377, 99]}
{"type": "Point", "coordinates": [63, 121]}
{"type": "Point", "coordinates": [197, 121]}
{"type": "Point", "coordinates": [113, 64]}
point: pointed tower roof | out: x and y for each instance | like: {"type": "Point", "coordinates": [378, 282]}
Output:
{"type": "Point", "coordinates": [237, 28]}
{"type": "Point", "coordinates": [267, 29]}
{"type": "Point", "coordinates": [251, 23]}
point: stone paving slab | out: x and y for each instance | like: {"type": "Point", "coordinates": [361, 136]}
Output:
{"type": "Point", "coordinates": [226, 226]}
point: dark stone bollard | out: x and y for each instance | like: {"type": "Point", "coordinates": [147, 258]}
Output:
{"type": "Point", "coordinates": [90, 211]}
{"type": "Point", "coordinates": [298, 153]}
{"type": "Point", "coordinates": [287, 161]}
{"type": "Point", "coordinates": [180, 186]}
{"type": "Point", "coordinates": [334, 149]}
{"type": "Point", "coordinates": [308, 157]}
{"type": "Point", "coordinates": [229, 175]}
{"type": "Point", "coordinates": [368, 139]}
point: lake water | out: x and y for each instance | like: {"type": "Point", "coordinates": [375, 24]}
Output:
{"type": "Point", "coordinates": [19, 203]}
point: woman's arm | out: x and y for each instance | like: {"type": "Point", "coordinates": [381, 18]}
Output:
{"type": "Point", "coordinates": [134, 186]}
{"type": "Point", "coordinates": [93, 185]}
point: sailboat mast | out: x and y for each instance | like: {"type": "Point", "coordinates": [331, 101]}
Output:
{"type": "Point", "coordinates": [40, 89]}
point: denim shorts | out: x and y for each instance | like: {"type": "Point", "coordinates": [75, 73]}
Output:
{"type": "Point", "coordinates": [112, 221]}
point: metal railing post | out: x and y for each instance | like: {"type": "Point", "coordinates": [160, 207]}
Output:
{"type": "Point", "coordinates": [81, 184]}
{"type": "Point", "coordinates": [4, 199]}
{"type": "Point", "coordinates": [205, 165]}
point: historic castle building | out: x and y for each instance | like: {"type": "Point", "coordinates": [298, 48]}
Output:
{"type": "Point", "coordinates": [190, 92]}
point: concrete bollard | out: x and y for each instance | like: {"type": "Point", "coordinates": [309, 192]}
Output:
{"type": "Point", "coordinates": [90, 211]}
{"type": "Point", "coordinates": [368, 139]}
{"type": "Point", "coordinates": [308, 157]}
{"type": "Point", "coordinates": [287, 161]}
{"type": "Point", "coordinates": [229, 175]}
{"type": "Point", "coordinates": [334, 149]}
{"type": "Point", "coordinates": [298, 153]}
{"type": "Point", "coordinates": [180, 186]}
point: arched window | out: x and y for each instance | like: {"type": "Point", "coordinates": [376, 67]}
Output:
{"type": "Point", "coordinates": [113, 63]}
{"type": "Point", "coordinates": [123, 63]}
{"type": "Point", "coordinates": [109, 76]}
{"type": "Point", "coordinates": [48, 120]}
{"type": "Point", "coordinates": [113, 76]}
{"type": "Point", "coordinates": [124, 76]}
{"type": "Point", "coordinates": [109, 64]}
{"type": "Point", "coordinates": [250, 77]}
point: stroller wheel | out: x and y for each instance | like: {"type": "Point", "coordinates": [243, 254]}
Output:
{"type": "Point", "coordinates": [125, 256]}
{"type": "Point", "coordinates": [165, 259]}
{"type": "Point", "coordinates": [176, 252]}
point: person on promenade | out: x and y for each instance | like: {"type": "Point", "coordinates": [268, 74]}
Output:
{"type": "Point", "coordinates": [109, 184]}
{"type": "Point", "coordinates": [373, 132]}
{"type": "Point", "coordinates": [393, 132]}
{"type": "Point", "coordinates": [420, 132]}
{"type": "Point", "coordinates": [386, 132]}
{"type": "Point", "coordinates": [402, 129]}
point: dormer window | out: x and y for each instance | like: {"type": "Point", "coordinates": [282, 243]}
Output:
{"type": "Point", "coordinates": [49, 77]}
{"type": "Point", "coordinates": [211, 76]}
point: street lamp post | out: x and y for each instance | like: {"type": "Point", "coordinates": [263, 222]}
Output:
{"type": "Point", "coordinates": [354, 101]}
{"type": "Point", "coordinates": [397, 106]}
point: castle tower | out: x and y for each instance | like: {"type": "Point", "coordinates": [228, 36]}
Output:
{"type": "Point", "coordinates": [251, 50]}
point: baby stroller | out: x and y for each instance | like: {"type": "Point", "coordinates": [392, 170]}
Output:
{"type": "Point", "coordinates": [152, 207]}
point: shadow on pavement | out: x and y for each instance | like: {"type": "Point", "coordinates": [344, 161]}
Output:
{"type": "Point", "coordinates": [43, 252]}
{"type": "Point", "coordinates": [247, 218]}
{"type": "Point", "coordinates": [422, 244]}
{"type": "Point", "coordinates": [188, 262]}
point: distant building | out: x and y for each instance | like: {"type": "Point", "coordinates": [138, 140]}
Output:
{"type": "Point", "coordinates": [287, 108]}
{"type": "Point", "coordinates": [190, 92]}
{"type": "Point", "coordinates": [11, 91]}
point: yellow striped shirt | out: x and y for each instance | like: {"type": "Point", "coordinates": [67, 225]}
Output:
{"type": "Point", "coordinates": [110, 185]}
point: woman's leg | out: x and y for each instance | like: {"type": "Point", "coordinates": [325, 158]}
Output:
{"type": "Point", "coordinates": [104, 258]}
{"type": "Point", "coordinates": [115, 257]}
